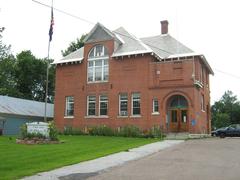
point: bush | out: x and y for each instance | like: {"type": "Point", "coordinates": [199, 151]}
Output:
{"type": "Point", "coordinates": [68, 130]}
{"type": "Point", "coordinates": [130, 131]}
{"type": "Point", "coordinates": [155, 132]}
{"type": "Point", "coordinates": [53, 132]}
{"type": "Point", "coordinates": [23, 131]}
{"type": "Point", "coordinates": [101, 131]}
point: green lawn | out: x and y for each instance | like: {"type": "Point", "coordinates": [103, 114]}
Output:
{"type": "Point", "coordinates": [18, 160]}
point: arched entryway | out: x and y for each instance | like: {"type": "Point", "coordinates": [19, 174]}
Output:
{"type": "Point", "coordinates": [177, 107]}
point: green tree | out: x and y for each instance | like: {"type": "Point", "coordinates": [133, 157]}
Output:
{"type": "Point", "coordinates": [4, 49]}
{"type": "Point", "coordinates": [30, 73]}
{"type": "Point", "coordinates": [226, 111]}
{"type": "Point", "coordinates": [74, 45]}
{"type": "Point", "coordinates": [7, 75]}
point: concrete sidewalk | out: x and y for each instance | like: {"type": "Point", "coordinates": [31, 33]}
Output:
{"type": "Point", "coordinates": [96, 165]}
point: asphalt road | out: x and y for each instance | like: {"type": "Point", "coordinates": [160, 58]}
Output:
{"type": "Point", "coordinates": [205, 159]}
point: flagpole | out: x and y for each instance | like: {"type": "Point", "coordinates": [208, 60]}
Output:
{"type": "Point", "coordinates": [46, 90]}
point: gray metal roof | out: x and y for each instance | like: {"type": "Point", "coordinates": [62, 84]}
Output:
{"type": "Point", "coordinates": [165, 45]}
{"type": "Point", "coordinates": [16, 106]}
{"type": "Point", "coordinates": [162, 46]}
{"type": "Point", "coordinates": [76, 56]}
{"type": "Point", "coordinates": [99, 33]}
{"type": "Point", "coordinates": [130, 44]}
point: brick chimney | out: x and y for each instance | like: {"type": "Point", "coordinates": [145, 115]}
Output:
{"type": "Point", "coordinates": [164, 25]}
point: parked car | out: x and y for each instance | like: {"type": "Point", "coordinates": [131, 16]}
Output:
{"type": "Point", "coordinates": [230, 131]}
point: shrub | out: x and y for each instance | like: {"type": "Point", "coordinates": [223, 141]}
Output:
{"type": "Point", "coordinates": [23, 131]}
{"type": "Point", "coordinates": [130, 131]}
{"type": "Point", "coordinates": [155, 132]}
{"type": "Point", "coordinates": [101, 131]}
{"type": "Point", "coordinates": [68, 130]}
{"type": "Point", "coordinates": [53, 132]}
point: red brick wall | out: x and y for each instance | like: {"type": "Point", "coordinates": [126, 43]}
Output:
{"type": "Point", "coordinates": [131, 74]}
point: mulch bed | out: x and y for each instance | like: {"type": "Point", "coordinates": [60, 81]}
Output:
{"type": "Point", "coordinates": [35, 140]}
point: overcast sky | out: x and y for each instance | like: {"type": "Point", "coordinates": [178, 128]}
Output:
{"type": "Point", "coordinates": [211, 27]}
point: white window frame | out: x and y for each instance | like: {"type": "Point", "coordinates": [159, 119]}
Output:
{"type": "Point", "coordinates": [88, 105]}
{"type": "Point", "coordinates": [67, 105]}
{"type": "Point", "coordinates": [104, 101]}
{"type": "Point", "coordinates": [119, 105]}
{"type": "Point", "coordinates": [98, 58]}
{"type": "Point", "coordinates": [202, 103]}
{"type": "Point", "coordinates": [153, 106]}
{"type": "Point", "coordinates": [133, 103]}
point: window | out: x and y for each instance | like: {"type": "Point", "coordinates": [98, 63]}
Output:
{"type": "Point", "coordinates": [69, 109]}
{"type": "Point", "coordinates": [91, 108]}
{"type": "Point", "coordinates": [98, 64]}
{"type": "Point", "coordinates": [123, 104]}
{"type": "Point", "coordinates": [202, 74]}
{"type": "Point", "coordinates": [202, 103]}
{"type": "Point", "coordinates": [155, 106]}
{"type": "Point", "coordinates": [103, 105]}
{"type": "Point", "coordinates": [136, 104]}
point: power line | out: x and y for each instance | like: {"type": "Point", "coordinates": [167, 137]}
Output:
{"type": "Point", "coordinates": [226, 73]}
{"type": "Point", "coordinates": [92, 23]}
{"type": "Point", "coordinates": [64, 12]}
{"type": "Point", "coordinates": [87, 21]}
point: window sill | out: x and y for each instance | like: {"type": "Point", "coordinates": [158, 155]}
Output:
{"type": "Point", "coordinates": [96, 117]}
{"type": "Point", "coordinates": [122, 116]}
{"type": "Point", "coordinates": [135, 116]}
{"type": "Point", "coordinates": [155, 113]}
{"type": "Point", "coordinates": [95, 82]}
{"type": "Point", "coordinates": [68, 117]}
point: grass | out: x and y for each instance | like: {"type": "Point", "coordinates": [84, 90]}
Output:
{"type": "Point", "coordinates": [17, 160]}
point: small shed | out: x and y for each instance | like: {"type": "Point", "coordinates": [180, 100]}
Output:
{"type": "Point", "coordinates": [14, 112]}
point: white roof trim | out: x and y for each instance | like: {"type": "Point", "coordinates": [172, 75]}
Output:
{"type": "Point", "coordinates": [67, 60]}
{"type": "Point", "coordinates": [193, 54]}
{"type": "Point", "coordinates": [184, 54]}
{"type": "Point", "coordinates": [119, 38]}
{"type": "Point", "coordinates": [131, 53]}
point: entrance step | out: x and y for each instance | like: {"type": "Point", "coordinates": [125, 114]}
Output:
{"type": "Point", "coordinates": [185, 136]}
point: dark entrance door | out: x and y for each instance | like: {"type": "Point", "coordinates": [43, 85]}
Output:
{"type": "Point", "coordinates": [178, 110]}
{"type": "Point", "coordinates": [179, 120]}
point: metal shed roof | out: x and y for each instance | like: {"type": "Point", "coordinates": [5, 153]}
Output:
{"type": "Point", "coordinates": [17, 106]}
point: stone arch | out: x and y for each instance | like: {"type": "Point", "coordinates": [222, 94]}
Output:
{"type": "Point", "coordinates": [173, 93]}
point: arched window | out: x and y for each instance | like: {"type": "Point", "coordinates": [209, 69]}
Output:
{"type": "Point", "coordinates": [98, 64]}
{"type": "Point", "coordinates": [178, 101]}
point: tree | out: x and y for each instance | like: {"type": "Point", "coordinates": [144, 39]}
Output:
{"type": "Point", "coordinates": [30, 73]}
{"type": "Point", "coordinates": [4, 49]}
{"type": "Point", "coordinates": [24, 76]}
{"type": "Point", "coordinates": [7, 77]}
{"type": "Point", "coordinates": [73, 46]}
{"type": "Point", "coordinates": [226, 111]}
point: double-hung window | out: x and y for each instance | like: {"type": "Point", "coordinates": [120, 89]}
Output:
{"type": "Point", "coordinates": [123, 104]}
{"type": "Point", "coordinates": [136, 109]}
{"type": "Point", "coordinates": [69, 108]}
{"type": "Point", "coordinates": [98, 68]}
{"type": "Point", "coordinates": [202, 103]}
{"type": "Point", "coordinates": [91, 108]}
{"type": "Point", "coordinates": [103, 105]}
{"type": "Point", "coordinates": [155, 106]}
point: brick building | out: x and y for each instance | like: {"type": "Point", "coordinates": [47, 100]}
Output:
{"type": "Point", "coordinates": [117, 79]}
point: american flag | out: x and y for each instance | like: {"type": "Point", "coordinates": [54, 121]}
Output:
{"type": "Point", "coordinates": [51, 26]}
